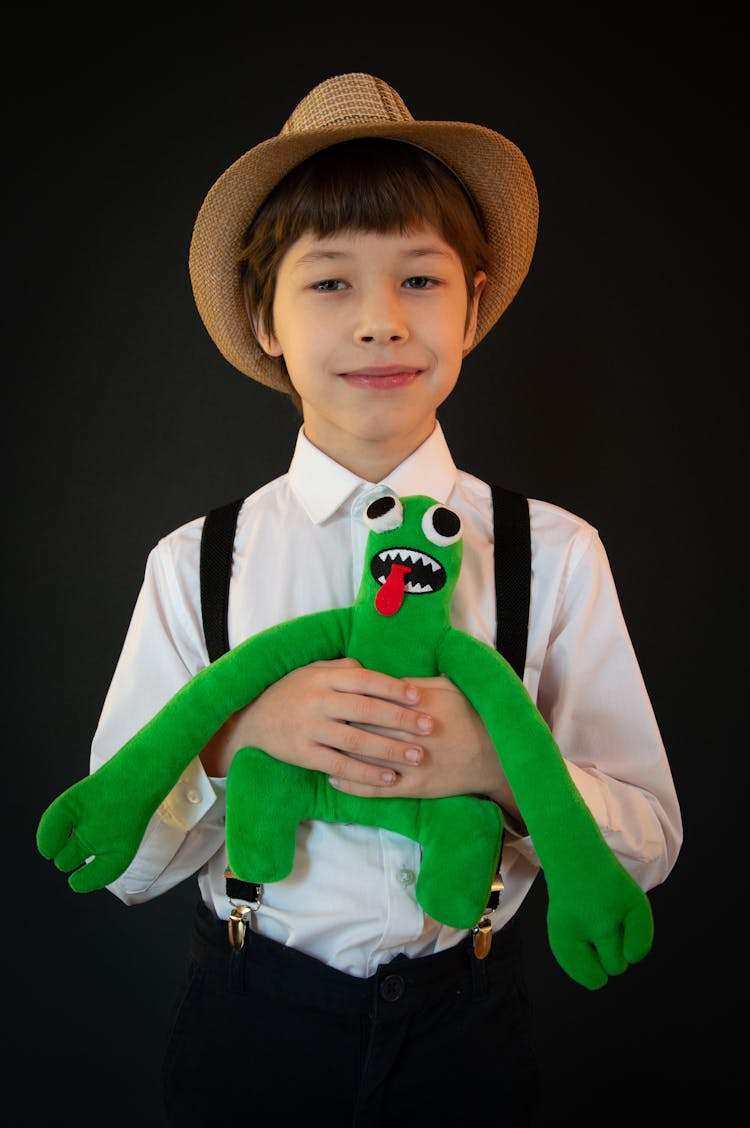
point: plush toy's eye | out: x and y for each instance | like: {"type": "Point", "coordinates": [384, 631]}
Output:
{"type": "Point", "coordinates": [383, 512]}
{"type": "Point", "coordinates": [441, 525]}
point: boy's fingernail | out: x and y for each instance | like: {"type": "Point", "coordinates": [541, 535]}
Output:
{"type": "Point", "coordinates": [413, 755]}
{"type": "Point", "coordinates": [424, 724]}
{"type": "Point", "coordinates": [412, 693]}
{"type": "Point", "coordinates": [388, 777]}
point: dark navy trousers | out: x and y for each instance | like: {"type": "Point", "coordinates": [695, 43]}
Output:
{"type": "Point", "coordinates": [268, 1035]}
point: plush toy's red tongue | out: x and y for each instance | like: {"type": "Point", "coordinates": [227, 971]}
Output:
{"type": "Point", "coordinates": [391, 595]}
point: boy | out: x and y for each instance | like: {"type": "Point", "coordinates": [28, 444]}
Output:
{"type": "Point", "coordinates": [351, 262]}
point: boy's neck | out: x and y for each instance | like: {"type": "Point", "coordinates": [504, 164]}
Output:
{"type": "Point", "coordinates": [370, 459]}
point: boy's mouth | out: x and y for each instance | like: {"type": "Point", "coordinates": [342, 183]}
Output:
{"type": "Point", "coordinates": [385, 377]}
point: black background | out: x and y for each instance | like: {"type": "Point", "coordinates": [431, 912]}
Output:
{"type": "Point", "coordinates": [610, 387]}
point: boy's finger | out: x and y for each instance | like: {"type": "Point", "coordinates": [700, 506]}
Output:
{"type": "Point", "coordinates": [356, 679]}
{"type": "Point", "coordinates": [374, 714]}
{"type": "Point", "coordinates": [363, 790]}
{"type": "Point", "coordinates": [349, 770]}
{"type": "Point", "coordinates": [380, 748]}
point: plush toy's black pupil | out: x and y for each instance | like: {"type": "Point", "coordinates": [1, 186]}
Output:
{"type": "Point", "coordinates": [445, 522]}
{"type": "Point", "coordinates": [380, 507]}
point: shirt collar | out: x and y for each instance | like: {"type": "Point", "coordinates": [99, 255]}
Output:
{"type": "Point", "coordinates": [322, 486]}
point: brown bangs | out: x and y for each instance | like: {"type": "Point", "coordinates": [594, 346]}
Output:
{"type": "Point", "coordinates": [377, 185]}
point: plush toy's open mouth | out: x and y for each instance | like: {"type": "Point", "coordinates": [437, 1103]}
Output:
{"type": "Point", "coordinates": [404, 571]}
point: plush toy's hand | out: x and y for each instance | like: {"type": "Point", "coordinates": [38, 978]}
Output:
{"type": "Point", "coordinates": [600, 925]}
{"type": "Point", "coordinates": [92, 820]}
{"type": "Point", "coordinates": [599, 920]}
{"type": "Point", "coordinates": [105, 815]}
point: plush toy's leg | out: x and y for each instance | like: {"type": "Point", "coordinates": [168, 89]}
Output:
{"type": "Point", "coordinates": [461, 838]}
{"type": "Point", "coordinates": [266, 801]}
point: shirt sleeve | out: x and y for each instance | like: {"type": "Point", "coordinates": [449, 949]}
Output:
{"type": "Point", "coordinates": [163, 649]}
{"type": "Point", "coordinates": [592, 695]}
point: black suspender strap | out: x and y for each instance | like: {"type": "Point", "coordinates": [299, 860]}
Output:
{"type": "Point", "coordinates": [512, 574]}
{"type": "Point", "coordinates": [217, 544]}
{"type": "Point", "coordinates": [216, 555]}
{"type": "Point", "coordinates": [512, 552]}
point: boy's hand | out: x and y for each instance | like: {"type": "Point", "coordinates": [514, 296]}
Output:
{"type": "Point", "coordinates": [458, 756]}
{"type": "Point", "coordinates": [357, 725]}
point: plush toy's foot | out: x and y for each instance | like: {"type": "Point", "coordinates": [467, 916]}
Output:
{"type": "Point", "coordinates": [266, 801]}
{"type": "Point", "coordinates": [454, 883]}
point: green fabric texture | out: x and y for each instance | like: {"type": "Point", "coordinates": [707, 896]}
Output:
{"type": "Point", "coordinates": [599, 920]}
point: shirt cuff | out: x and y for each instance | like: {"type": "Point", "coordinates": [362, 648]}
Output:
{"type": "Point", "coordinates": [189, 800]}
{"type": "Point", "coordinates": [187, 804]}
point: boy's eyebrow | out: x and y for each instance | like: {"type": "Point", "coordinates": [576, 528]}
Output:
{"type": "Point", "coordinates": [323, 255]}
{"type": "Point", "coordinates": [317, 256]}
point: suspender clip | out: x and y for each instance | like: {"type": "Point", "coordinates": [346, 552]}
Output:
{"type": "Point", "coordinates": [481, 933]}
{"type": "Point", "coordinates": [248, 895]}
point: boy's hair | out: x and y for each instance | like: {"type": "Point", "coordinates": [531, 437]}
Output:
{"type": "Point", "coordinates": [369, 184]}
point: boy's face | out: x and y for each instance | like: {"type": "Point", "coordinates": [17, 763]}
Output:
{"type": "Point", "coordinates": [373, 329]}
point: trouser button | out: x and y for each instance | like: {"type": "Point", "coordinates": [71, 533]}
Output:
{"type": "Point", "coordinates": [392, 988]}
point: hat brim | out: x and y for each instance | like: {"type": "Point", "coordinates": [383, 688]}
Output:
{"type": "Point", "coordinates": [492, 168]}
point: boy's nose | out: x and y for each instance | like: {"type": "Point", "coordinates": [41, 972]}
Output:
{"type": "Point", "coordinates": [381, 321]}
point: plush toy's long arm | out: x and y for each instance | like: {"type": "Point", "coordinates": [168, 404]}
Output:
{"type": "Point", "coordinates": [599, 920]}
{"type": "Point", "coordinates": [103, 817]}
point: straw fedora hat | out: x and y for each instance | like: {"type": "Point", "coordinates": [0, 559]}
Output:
{"type": "Point", "coordinates": [492, 169]}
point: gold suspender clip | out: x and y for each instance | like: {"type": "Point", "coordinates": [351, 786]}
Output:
{"type": "Point", "coordinates": [241, 914]}
{"type": "Point", "coordinates": [481, 933]}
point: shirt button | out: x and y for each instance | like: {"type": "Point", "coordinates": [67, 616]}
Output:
{"type": "Point", "coordinates": [392, 988]}
{"type": "Point", "coordinates": [193, 795]}
{"type": "Point", "coordinates": [406, 876]}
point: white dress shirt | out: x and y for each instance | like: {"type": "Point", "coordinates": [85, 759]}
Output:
{"type": "Point", "coordinates": [350, 898]}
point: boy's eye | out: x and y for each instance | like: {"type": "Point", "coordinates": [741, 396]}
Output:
{"type": "Point", "coordinates": [419, 282]}
{"type": "Point", "coordinates": [329, 284]}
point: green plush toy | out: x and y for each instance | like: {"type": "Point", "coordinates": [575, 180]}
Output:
{"type": "Point", "coordinates": [599, 920]}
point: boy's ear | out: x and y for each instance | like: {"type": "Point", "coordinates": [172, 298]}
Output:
{"type": "Point", "coordinates": [480, 279]}
{"type": "Point", "coordinates": [266, 340]}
